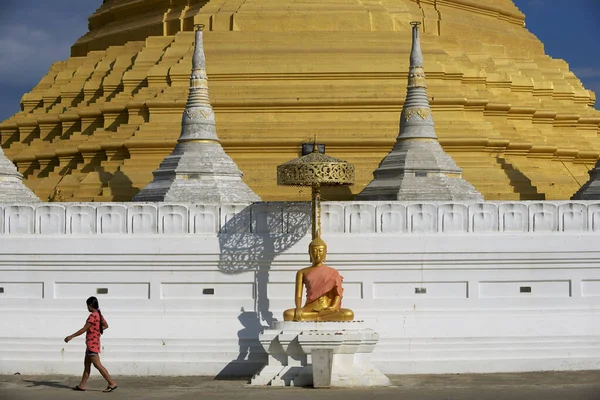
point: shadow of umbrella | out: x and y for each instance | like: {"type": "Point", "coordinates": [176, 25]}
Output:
{"type": "Point", "coordinates": [250, 239]}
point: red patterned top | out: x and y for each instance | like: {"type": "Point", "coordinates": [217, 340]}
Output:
{"type": "Point", "coordinates": [92, 336]}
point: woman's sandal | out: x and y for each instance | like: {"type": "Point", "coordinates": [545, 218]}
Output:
{"type": "Point", "coordinates": [109, 389]}
{"type": "Point", "coordinates": [79, 389]}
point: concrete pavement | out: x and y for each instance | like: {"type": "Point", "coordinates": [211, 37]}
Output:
{"type": "Point", "coordinates": [583, 385]}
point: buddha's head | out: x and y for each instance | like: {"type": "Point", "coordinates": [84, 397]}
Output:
{"type": "Point", "coordinates": [317, 250]}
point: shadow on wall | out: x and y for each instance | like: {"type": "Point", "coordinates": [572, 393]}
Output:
{"type": "Point", "coordinates": [47, 383]}
{"type": "Point", "coordinates": [336, 193]}
{"type": "Point", "coordinates": [121, 187]}
{"type": "Point", "coordinates": [249, 242]}
{"type": "Point", "coordinates": [520, 182]}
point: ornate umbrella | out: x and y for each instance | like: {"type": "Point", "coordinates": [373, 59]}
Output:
{"type": "Point", "coordinates": [315, 170]}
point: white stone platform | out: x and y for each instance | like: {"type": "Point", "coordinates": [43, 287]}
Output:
{"type": "Point", "coordinates": [319, 354]}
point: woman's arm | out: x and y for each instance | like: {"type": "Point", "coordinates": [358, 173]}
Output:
{"type": "Point", "coordinates": [79, 332]}
{"type": "Point", "coordinates": [104, 324]}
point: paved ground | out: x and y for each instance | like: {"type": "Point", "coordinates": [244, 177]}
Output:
{"type": "Point", "coordinates": [530, 386]}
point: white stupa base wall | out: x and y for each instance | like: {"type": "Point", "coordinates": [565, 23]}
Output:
{"type": "Point", "coordinates": [489, 287]}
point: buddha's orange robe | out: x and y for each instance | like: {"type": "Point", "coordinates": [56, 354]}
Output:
{"type": "Point", "coordinates": [321, 281]}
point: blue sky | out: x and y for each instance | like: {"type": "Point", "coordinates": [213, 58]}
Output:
{"type": "Point", "coordinates": [569, 29]}
{"type": "Point", "coordinates": [36, 33]}
{"type": "Point", "coordinates": [33, 35]}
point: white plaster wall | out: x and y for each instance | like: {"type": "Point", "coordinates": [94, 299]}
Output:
{"type": "Point", "coordinates": [509, 286]}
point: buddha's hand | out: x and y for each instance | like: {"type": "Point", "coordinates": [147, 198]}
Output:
{"type": "Point", "coordinates": [298, 314]}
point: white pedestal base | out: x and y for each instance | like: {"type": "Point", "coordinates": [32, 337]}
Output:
{"type": "Point", "coordinates": [322, 354]}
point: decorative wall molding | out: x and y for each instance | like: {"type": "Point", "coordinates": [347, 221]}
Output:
{"type": "Point", "coordinates": [275, 218]}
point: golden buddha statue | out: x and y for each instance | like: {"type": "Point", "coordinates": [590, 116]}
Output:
{"type": "Point", "coordinates": [323, 290]}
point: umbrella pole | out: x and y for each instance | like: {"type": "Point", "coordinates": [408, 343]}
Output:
{"type": "Point", "coordinates": [316, 210]}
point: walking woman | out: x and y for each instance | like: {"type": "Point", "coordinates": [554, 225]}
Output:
{"type": "Point", "coordinates": [93, 328]}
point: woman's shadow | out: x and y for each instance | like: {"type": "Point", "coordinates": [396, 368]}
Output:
{"type": "Point", "coordinates": [250, 239]}
{"type": "Point", "coordinates": [52, 384]}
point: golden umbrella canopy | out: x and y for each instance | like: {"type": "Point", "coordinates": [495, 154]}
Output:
{"type": "Point", "coordinates": [315, 170]}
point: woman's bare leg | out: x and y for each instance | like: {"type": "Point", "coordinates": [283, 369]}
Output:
{"type": "Point", "coordinates": [102, 370]}
{"type": "Point", "coordinates": [87, 368]}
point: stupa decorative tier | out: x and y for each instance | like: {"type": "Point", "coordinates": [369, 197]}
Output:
{"type": "Point", "coordinates": [518, 123]}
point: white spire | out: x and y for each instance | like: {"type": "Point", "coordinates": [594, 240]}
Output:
{"type": "Point", "coordinates": [591, 189]}
{"type": "Point", "coordinates": [198, 170]}
{"type": "Point", "coordinates": [198, 122]}
{"type": "Point", "coordinates": [12, 188]}
{"type": "Point", "coordinates": [417, 168]}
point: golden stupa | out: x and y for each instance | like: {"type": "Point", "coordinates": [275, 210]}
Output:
{"type": "Point", "coordinates": [518, 122]}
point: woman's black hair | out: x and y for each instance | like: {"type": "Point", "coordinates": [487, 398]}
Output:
{"type": "Point", "coordinates": [93, 303]}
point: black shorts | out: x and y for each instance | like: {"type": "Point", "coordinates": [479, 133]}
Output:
{"type": "Point", "coordinates": [90, 353]}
